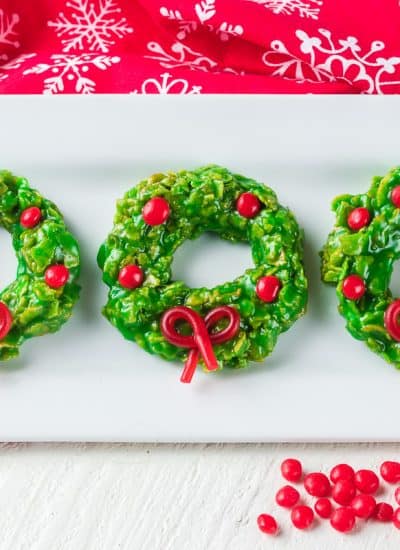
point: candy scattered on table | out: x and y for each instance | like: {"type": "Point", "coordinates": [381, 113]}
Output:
{"type": "Point", "coordinates": [352, 490]}
{"type": "Point", "coordinates": [364, 506]}
{"type": "Point", "coordinates": [366, 481]}
{"type": "Point", "coordinates": [384, 511]}
{"type": "Point", "coordinates": [342, 471]}
{"type": "Point", "coordinates": [343, 492]}
{"type": "Point", "coordinates": [343, 519]}
{"type": "Point", "coordinates": [302, 517]}
{"type": "Point", "coordinates": [323, 507]}
{"type": "Point", "coordinates": [267, 524]}
{"type": "Point", "coordinates": [390, 471]}
{"type": "Point", "coordinates": [291, 469]}
{"type": "Point", "coordinates": [396, 518]}
{"type": "Point", "coordinates": [287, 496]}
{"type": "Point", "coordinates": [317, 484]}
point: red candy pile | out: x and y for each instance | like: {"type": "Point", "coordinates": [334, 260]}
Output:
{"type": "Point", "coordinates": [344, 498]}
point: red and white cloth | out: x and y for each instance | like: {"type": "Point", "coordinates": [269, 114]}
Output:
{"type": "Point", "coordinates": [199, 46]}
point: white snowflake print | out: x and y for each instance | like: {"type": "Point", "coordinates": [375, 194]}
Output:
{"type": "Point", "coordinates": [183, 56]}
{"type": "Point", "coordinates": [203, 11]}
{"type": "Point", "coordinates": [14, 64]}
{"type": "Point", "coordinates": [167, 85]}
{"type": "Point", "coordinates": [226, 30]}
{"type": "Point", "coordinates": [329, 61]}
{"type": "Point", "coordinates": [94, 24]}
{"type": "Point", "coordinates": [309, 8]}
{"type": "Point", "coordinates": [8, 34]}
{"type": "Point", "coordinates": [71, 68]}
{"type": "Point", "coordinates": [184, 27]}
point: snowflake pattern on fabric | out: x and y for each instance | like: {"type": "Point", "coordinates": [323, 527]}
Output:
{"type": "Point", "coordinates": [203, 11]}
{"type": "Point", "coordinates": [72, 69]}
{"type": "Point", "coordinates": [330, 61]}
{"type": "Point", "coordinates": [185, 27]}
{"type": "Point", "coordinates": [8, 34]}
{"type": "Point", "coordinates": [310, 8]}
{"type": "Point", "coordinates": [95, 26]}
{"type": "Point", "coordinates": [182, 56]}
{"type": "Point", "coordinates": [167, 84]}
{"type": "Point", "coordinates": [15, 63]}
{"type": "Point", "coordinates": [207, 36]}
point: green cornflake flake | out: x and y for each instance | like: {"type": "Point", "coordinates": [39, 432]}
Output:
{"type": "Point", "coordinates": [35, 307]}
{"type": "Point", "coordinates": [369, 253]}
{"type": "Point", "coordinates": [203, 200]}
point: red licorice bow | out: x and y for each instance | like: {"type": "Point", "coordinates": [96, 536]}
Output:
{"type": "Point", "coordinates": [392, 315]}
{"type": "Point", "coordinates": [202, 340]}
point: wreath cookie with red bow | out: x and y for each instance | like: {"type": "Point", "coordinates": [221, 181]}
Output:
{"type": "Point", "coordinates": [358, 258]}
{"type": "Point", "coordinates": [44, 292]}
{"type": "Point", "coordinates": [225, 326]}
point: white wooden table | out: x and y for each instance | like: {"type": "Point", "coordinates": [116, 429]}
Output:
{"type": "Point", "coordinates": [166, 497]}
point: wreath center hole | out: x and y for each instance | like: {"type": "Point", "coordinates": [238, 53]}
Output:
{"type": "Point", "coordinates": [395, 280]}
{"type": "Point", "coordinates": [210, 261]}
{"type": "Point", "coordinates": [8, 267]}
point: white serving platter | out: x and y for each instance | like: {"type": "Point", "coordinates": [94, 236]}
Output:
{"type": "Point", "coordinates": [86, 383]}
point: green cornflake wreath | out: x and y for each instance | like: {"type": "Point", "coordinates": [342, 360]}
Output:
{"type": "Point", "coordinates": [358, 258]}
{"type": "Point", "coordinates": [154, 218]}
{"type": "Point", "coordinates": [44, 292]}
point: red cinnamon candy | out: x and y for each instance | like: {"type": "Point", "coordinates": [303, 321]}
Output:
{"type": "Point", "coordinates": [267, 524]}
{"type": "Point", "coordinates": [202, 340]}
{"type": "Point", "coordinates": [384, 512]}
{"type": "Point", "coordinates": [5, 320]}
{"type": "Point", "coordinates": [390, 471]}
{"type": "Point", "coordinates": [346, 483]}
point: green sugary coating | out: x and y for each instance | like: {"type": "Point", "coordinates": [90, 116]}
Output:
{"type": "Point", "coordinates": [203, 200]}
{"type": "Point", "coordinates": [369, 253]}
{"type": "Point", "coordinates": [36, 308]}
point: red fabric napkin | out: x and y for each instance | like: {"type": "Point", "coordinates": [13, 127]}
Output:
{"type": "Point", "coordinates": [199, 46]}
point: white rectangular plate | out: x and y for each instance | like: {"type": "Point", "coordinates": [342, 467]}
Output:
{"type": "Point", "coordinates": [87, 383]}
